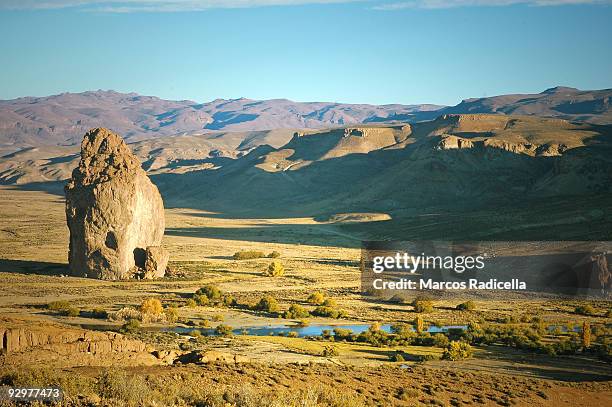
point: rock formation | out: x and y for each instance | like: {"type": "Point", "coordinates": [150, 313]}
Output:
{"type": "Point", "coordinates": [114, 212]}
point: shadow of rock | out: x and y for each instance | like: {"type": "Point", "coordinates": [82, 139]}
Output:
{"type": "Point", "coordinates": [33, 267]}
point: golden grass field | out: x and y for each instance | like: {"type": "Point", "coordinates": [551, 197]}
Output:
{"type": "Point", "coordinates": [284, 370]}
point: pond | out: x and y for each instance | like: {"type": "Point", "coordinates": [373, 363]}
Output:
{"type": "Point", "coordinates": [300, 331]}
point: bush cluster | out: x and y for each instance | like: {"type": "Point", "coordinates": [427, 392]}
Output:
{"type": "Point", "coordinates": [64, 308]}
{"type": "Point", "coordinates": [255, 254]}
{"type": "Point", "coordinates": [422, 305]}
{"type": "Point", "coordinates": [457, 350]}
{"type": "Point", "coordinates": [316, 298]}
{"type": "Point", "coordinates": [210, 294]}
{"type": "Point", "coordinates": [296, 311]}
{"type": "Point", "coordinates": [275, 269]}
{"type": "Point", "coordinates": [467, 306]}
{"type": "Point", "coordinates": [586, 309]}
{"type": "Point", "coordinates": [248, 254]}
{"type": "Point", "coordinates": [267, 304]}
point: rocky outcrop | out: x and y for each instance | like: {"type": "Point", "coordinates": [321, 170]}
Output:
{"type": "Point", "coordinates": [29, 342]}
{"type": "Point", "coordinates": [114, 212]}
{"type": "Point", "coordinates": [452, 142]}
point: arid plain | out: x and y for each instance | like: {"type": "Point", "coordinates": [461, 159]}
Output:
{"type": "Point", "coordinates": [275, 368]}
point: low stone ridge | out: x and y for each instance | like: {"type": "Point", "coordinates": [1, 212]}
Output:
{"type": "Point", "coordinates": [114, 212]}
{"type": "Point", "coordinates": [24, 342]}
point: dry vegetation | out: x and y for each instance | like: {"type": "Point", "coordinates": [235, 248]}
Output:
{"type": "Point", "coordinates": [532, 341]}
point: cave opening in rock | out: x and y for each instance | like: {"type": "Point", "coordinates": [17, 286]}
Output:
{"type": "Point", "coordinates": [140, 256]}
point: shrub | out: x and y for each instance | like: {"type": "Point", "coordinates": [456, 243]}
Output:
{"type": "Point", "coordinates": [64, 308]}
{"type": "Point", "coordinates": [292, 334]}
{"type": "Point", "coordinates": [330, 351]}
{"type": "Point", "coordinates": [58, 306]}
{"type": "Point", "coordinates": [218, 318]}
{"type": "Point", "coordinates": [296, 311]}
{"type": "Point", "coordinates": [201, 299]}
{"type": "Point", "coordinates": [223, 330]}
{"type": "Point", "coordinates": [457, 350]}
{"type": "Point", "coordinates": [397, 357]}
{"type": "Point", "coordinates": [133, 325]}
{"type": "Point", "coordinates": [274, 255]}
{"type": "Point", "coordinates": [586, 309]}
{"type": "Point", "coordinates": [322, 311]}
{"type": "Point", "coordinates": [400, 329]}
{"type": "Point", "coordinates": [407, 394]}
{"type": "Point", "coordinates": [342, 334]}
{"type": "Point", "coordinates": [330, 303]}
{"type": "Point", "coordinates": [316, 298]}
{"type": "Point", "coordinates": [125, 314]}
{"type": "Point", "coordinates": [440, 340]}
{"type": "Point", "coordinates": [267, 304]}
{"type": "Point", "coordinates": [467, 306]}
{"type": "Point", "coordinates": [422, 305]}
{"type": "Point", "coordinates": [275, 269]}
{"type": "Point", "coordinates": [211, 292]}
{"type": "Point", "coordinates": [229, 300]}
{"type": "Point", "coordinates": [191, 303]}
{"type": "Point", "coordinates": [123, 389]}
{"type": "Point", "coordinates": [171, 314]}
{"type": "Point", "coordinates": [151, 307]}
{"type": "Point", "coordinates": [248, 254]}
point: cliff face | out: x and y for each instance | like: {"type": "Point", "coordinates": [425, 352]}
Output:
{"type": "Point", "coordinates": [114, 212]}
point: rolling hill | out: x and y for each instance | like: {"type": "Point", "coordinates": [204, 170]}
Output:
{"type": "Point", "coordinates": [463, 176]}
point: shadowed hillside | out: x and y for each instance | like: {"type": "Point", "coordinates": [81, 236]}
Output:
{"type": "Point", "coordinates": [458, 174]}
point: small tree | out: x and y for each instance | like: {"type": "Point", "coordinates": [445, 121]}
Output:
{"type": "Point", "coordinates": [172, 314]}
{"type": "Point", "coordinates": [275, 269]}
{"type": "Point", "coordinates": [151, 307]}
{"type": "Point", "coordinates": [316, 298]}
{"type": "Point", "coordinates": [211, 291]}
{"type": "Point", "coordinates": [419, 325]}
{"type": "Point", "coordinates": [422, 304]}
{"type": "Point", "coordinates": [467, 306]}
{"type": "Point", "coordinates": [329, 351]}
{"type": "Point", "coordinates": [586, 334]}
{"type": "Point", "coordinates": [267, 304]}
{"type": "Point", "coordinates": [224, 330]}
{"type": "Point", "coordinates": [296, 311]}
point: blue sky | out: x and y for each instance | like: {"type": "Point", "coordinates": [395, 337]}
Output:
{"type": "Point", "coordinates": [397, 51]}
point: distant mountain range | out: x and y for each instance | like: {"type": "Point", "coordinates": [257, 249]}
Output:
{"type": "Point", "coordinates": [61, 120]}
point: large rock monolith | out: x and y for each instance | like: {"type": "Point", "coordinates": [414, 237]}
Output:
{"type": "Point", "coordinates": [114, 212]}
